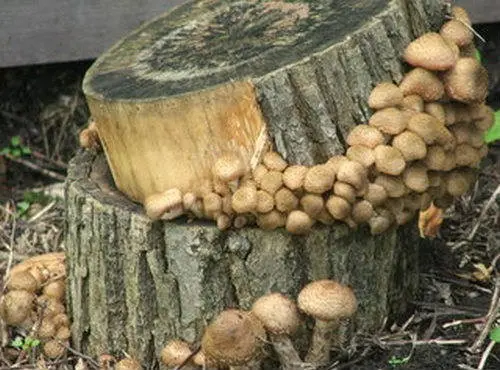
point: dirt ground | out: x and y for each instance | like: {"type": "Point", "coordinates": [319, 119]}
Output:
{"type": "Point", "coordinates": [44, 106]}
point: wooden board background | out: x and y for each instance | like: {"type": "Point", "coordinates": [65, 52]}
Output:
{"type": "Point", "coordinates": [47, 31]}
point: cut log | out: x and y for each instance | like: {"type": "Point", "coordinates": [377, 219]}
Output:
{"type": "Point", "coordinates": [207, 79]}
{"type": "Point", "coordinates": [135, 284]}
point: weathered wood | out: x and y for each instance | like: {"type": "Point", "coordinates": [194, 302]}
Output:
{"type": "Point", "coordinates": [49, 31]}
{"type": "Point", "coordinates": [310, 66]}
{"type": "Point", "coordinates": [134, 284]}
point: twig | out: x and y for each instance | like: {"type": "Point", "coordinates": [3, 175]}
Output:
{"type": "Point", "coordinates": [439, 342]}
{"type": "Point", "coordinates": [36, 168]}
{"type": "Point", "coordinates": [42, 212]}
{"type": "Point", "coordinates": [450, 324]}
{"type": "Point", "coordinates": [485, 355]}
{"type": "Point", "coordinates": [483, 213]}
{"type": "Point", "coordinates": [35, 366]}
{"type": "Point", "coordinates": [43, 157]}
{"type": "Point", "coordinates": [491, 317]}
{"type": "Point", "coordinates": [90, 360]}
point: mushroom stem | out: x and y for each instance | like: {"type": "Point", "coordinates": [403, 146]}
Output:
{"type": "Point", "coordinates": [323, 336]}
{"type": "Point", "coordinates": [289, 358]}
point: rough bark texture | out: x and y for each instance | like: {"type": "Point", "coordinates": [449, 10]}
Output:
{"type": "Point", "coordinates": [134, 284]}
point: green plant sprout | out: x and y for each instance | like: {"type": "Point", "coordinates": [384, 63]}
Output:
{"type": "Point", "coordinates": [29, 198]}
{"type": "Point", "coordinates": [398, 361]}
{"type": "Point", "coordinates": [15, 148]}
{"type": "Point", "coordinates": [26, 344]}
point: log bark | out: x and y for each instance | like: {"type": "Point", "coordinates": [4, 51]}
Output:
{"type": "Point", "coordinates": [134, 284]}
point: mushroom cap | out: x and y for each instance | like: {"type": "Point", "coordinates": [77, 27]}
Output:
{"type": "Point", "coordinates": [352, 173]}
{"type": "Point", "coordinates": [375, 194]}
{"type": "Point", "coordinates": [244, 199]}
{"type": "Point", "coordinates": [128, 364]}
{"type": "Point", "coordinates": [425, 126]}
{"type": "Point", "coordinates": [381, 221]}
{"type": "Point", "coordinates": [361, 154]}
{"type": "Point", "coordinates": [467, 81]}
{"type": "Point", "coordinates": [362, 211]}
{"type": "Point", "coordinates": [63, 333]}
{"type": "Point", "coordinates": [393, 185]}
{"type": "Point", "coordinates": [457, 32]}
{"type": "Point", "coordinates": [458, 182]}
{"type": "Point", "coordinates": [437, 111]}
{"type": "Point", "coordinates": [285, 200]}
{"type": "Point", "coordinates": [484, 120]}
{"type": "Point", "coordinates": [271, 220]}
{"type": "Point", "coordinates": [312, 204]}
{"type": "Point", "coordinates": [424, 83]}
{"type": "Point", "coordinates": [265, 202]}
{"type": "Point", "coordinates": [360, 135]}
{"type": "Point", "coordinates": [223, 221]}
{"type": "Point", "coordinates": [61, 320]}
{"type": "Point", "coordinates": [16, 306]}
{"type": "Point", "coordinates": [46, 328]}
{"type": "Point", "coordinates": [188, 200]}
{"type": "Point", "coordinates": [164, 204]}
{"type": "Point", "coordinates": [298, 222]}
{"type": "Point", "coordinates": [259, 172]}
{"type": "Point", "coordinates": [390, 121]}
{"type": "Point", "coordinates": [233, 338]}
{"type": "Point", "coordinates": [436, 158]}
{"type": "Point", "coordinates": [338, 207]}
{"type": "Point", "coordinates": [175, 352]}
{"type": "Point", "coordinates": [53, 349]}
{"type": "Point", "coordinates": [212, 204]}
{"type": "Point", "coordinates": [293, 176]}
{"type": "Point", "coordinates": [411, 146]}
{"type": "Point", "coordinates": [23, 280]}
{"type": "Point", "coordinates": [344, 190]}
{"type": "Point", "coordinates": [271, 181]}
{"type": "Point", "coordinates": [430, 51]}
{"type": "Point", "coordinates": [56, 289]}
{"type": "Point", "coordinates": [462, 132]}
{"type": "Point", "coordinates": [228, 167]}
{"type": "Point", "coordinates": [413, 103]}
{"type": "Point", "coordinates": [460, 14]}
{"type": "Point", "coordinates": [327, 300]}
{"type": "Point", "coordinates": [319, 179]}
{"type": "Point", "coordinates": [384, 95]}
{"type": "Point", "coordinates": [273, 161]}
{"type": "Point", "coordinates": [389, 160]}
{"type": "Point", "coordinates": [466, 155]}
{"type": "Point", "coordinates": [241, 221]}
{"type": "Point", "coordinates": [337, 160]}
{"type": "Point", "coordinates": [415, 178]}
{"type": "Point", "coordinates": [277, 313]}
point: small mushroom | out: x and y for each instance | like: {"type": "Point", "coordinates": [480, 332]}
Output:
{"type": "Point", "coordinates": [274, 162]}
{"type": "Point", "coordinates": [435, 158]}
{"type": "Point", "coordinates": [271, 181]}
{"type": "Point", "coordinates": [344, 190]}
{"type": "Point", "coordinates": [425, 126]}
{"type": "Point", "coordinates": [293, 176]}
{"type": "Point", "coordinates": [328, 302]}
{"type": "Point", "coordinates": [381, 221]}
{"type": "Point", "coordinates": [385, 95]}
{"type": "Point", "coordinates": [360, 135]}
{"type": "Point", "coordinates": [259, 172]}
{"type": "Point", "coordinates": [437, 111]}
{"type": "Point", "coordinates": [390, 121]}
{"type": "Point", "coordinates": [16, 306]}
{"type": "Point", "coordinates": [361, 154]}
{"type": "Point", "coordinates": [128, 364]}
{"type": "Point", "coordinates": [415, 178]}
{"type": "Point", "coordinates": [424, 83]}
{"type": "Point", "coordinates": [240, 221]}
{"type": "Point", "coordinates": [338, 207]}
{"type": "Point", "coordinates": [430, 51]}
{"type": "Point", "coordinates": [337, 160]}
{"type": "Point", "coordinates": [393, 185]}
{"type": "Point", "coordinates": [457, 32]}
{"type": "Point", "coordinates": [362, 211]}
{"type": "Point", "coordinates": [413, 103]}
{"type": "Point", "coordinates": [458, 182]}
{"type": "Point", "coordinates": [271, 220]}
{"type": "Point", "coordinates": [299, 223]}
{"type": "Point", "coordinates": [89, 137]}
{"type": "Point", "coordinates": [245, 199]}
{"type": "Point", "coordinates": [285, 200]}
{"type": "Point", "coordinates": [166, 205]}
{"type": "Point", "coordinates": [411, 146]}
{"type": "Point", "coordinates": [23, 280]}
{"type": "Point", "coordinates": [312, 204]}
{"type": "Point", "coordinates": [223, 221]}
{"type": "Point", "coordinates": [279, 316]}
{"type": "Point", "coordinates": [234, 339]}
{"type": "Point", "coordinates": [319, 179]}
{"type": "Point", "coordinates": [55, 289]}
{"type": "Point", "coordinates": [228, 169]}
{"type": "Point", "coordinates": [265, 202]}
{"type": "Point", "coordinates": [466, 155]}
{"type": "Point", "coordinates": [212, 204]}
{"type": "Point", "coordinates": [467, 81]}
{"type": "Point", "coordinates": [352, 173]}
{"type": "Point", "coordinates": [375, 194]}
{"type": "Point", "coordinates": [175, 353]}
{"type": "Point", "coordinates": [54, 349]}
{"type": "Point", "coordinates": [389, 160]}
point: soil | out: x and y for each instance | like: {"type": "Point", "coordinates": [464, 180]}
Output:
{"type": "Point", "coordinates": [45, 107]}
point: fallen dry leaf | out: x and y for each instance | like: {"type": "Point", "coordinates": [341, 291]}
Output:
{"type": "Point", "coordinates": [429, 221]}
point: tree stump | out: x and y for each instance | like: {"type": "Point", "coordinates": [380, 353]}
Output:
{"type": "Point", "coordinates": [299, 73]}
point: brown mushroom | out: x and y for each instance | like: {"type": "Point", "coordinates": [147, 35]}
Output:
{"type": "Point", "coordinates": [352, 173]}
{"type": "Point", "coordinates": [245, 199]}
{"type": "Point", "coordinates": [413, 103]}
{"type": "Point", "coordinates": [424, 83]}
{"type": "Point", "coordinates": [361, 154]}
{"type": "Point", "coordinates": [175, 353]}
{"type": "Point", "coordinates": [328, 302]}
{"type": "Point", "coordinates": [467, 81]}
{"type": "Point", "coordinates": [362, 211]}
{"type": "Point", "coordinates": [457, 32]}
{"type": "Point", "coordinates": [299, 222]}
{"type": "Point", "coordinates": [259, 172]}
{"type": "Point", "coordinates": [265, 201]}
{"type": "Point", "coordinates": [293, 176]}
{"type": "Point", "coordinates": [274, 162]}
{"type": "Point", "coordinates": [437, 111]}
{"type": "Point", "coordinates": [285, 200]}
{"type": "Point", "coordinates": [312, 204]}
{"type": "Point", "coordinates": [16, 306]}
{"type": "Point", "coordinates": [54, 349]}
{"type": "Point", "coordinates": [389, 160]}
{"type": "Point", "coordinates": [338, 207]}
{"type": "Point", "coordinates": [23, 280]}
{"type": "Point", "coordinates": [166, 205]}
{"type": "Point", "coordinates": [458, 182]}
{"type": "Point", "coordinates": [411, 146]}
{"type": "Point", "coordinates": [430, 51]}
{"type": "Point", "coordinates": [271, 181]}
{"type": "Point", "coordinates": [381, 221]}
{"type": "Point", "coordinates": [385, 95]}
{"type": "Point", "coordinates": [228, 168]}
{"type": "Point", "coordinates": [393, 185]}
{"type": "Point", "coordinates": [319, 179]}
{"type": "Point", "coordinates": [415, 178]}
{"type": "Point", "coordinates": [271, 220]}
{"type": "Point", "coordinates": [390, 121]}
{"type": "Point", "coordinates": [55, 289]}
{"type": "Point", "coordinates": [361, 135]}
{"type": "Point", "coordinates": [375, 194]}
{"type": "Point", "coordinates": [466, 155]}
{"type": "Point", "coordinates": [344, 190]}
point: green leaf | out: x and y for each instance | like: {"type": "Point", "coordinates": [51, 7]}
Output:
{"type": "Point", "coordinates": [5, 151]}
{"type": "Point", "coordinates": [35, 343]}
{"type": "Point", "coordinates": [478, 56]}
{"type": "Point", "coordinates": [16, 152]}
{"type": "Point", "coordinates": [493, 134]}
{"type": "Point", "coordinates": [25, 150]}
{"type": "Point", "coordinates": [22, 207]}
{"type": "Point", "coordinates": [15, 140]}
{"type": "Point", "coordinates": [495, 334]}
{"type": "Point", "coordinates": [17, 343]}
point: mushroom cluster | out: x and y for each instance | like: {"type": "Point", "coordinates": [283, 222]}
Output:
{"type": "Point", "coordinates": [421, 146]}
{"type": "Point", "coordinates": [34, 302]}
{"type": "Point", "coordinates": [237, 338]}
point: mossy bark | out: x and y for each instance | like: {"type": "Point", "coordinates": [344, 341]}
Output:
{"type": "Point", "coordinates": [134, 284]}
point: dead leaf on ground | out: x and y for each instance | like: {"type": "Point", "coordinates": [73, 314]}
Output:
{"type": "Point", "coordinates": [429, 221]}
